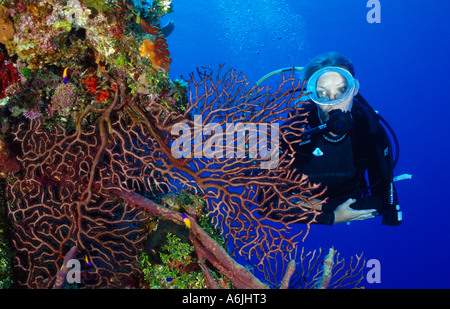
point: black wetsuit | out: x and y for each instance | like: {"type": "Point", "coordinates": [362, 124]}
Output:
{"type": "Point", "coordinates": [356, 165]}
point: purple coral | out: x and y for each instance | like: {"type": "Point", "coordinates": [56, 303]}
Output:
{"type": "Point", "coordinates": [32, 114]}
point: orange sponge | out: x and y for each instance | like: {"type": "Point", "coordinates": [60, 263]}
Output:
{"type": "Point", "coordinates": [156, 49]}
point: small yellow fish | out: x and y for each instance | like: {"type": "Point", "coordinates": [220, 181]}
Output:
{"type": "Point", "coordinates": [87, 261]}
{"type": "Point", "coordinates": [65, 75]}
{"type": "Point", "coordinates": [186, 220]}
{"type": "Point", "coordinates": [171, 280]}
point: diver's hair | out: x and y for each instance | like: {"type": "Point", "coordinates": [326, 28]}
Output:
{"type": "Point", "coordinates": [325, 60]}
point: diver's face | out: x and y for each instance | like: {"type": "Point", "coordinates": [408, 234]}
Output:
{"type": "Point", "coordinates": [333, 85]}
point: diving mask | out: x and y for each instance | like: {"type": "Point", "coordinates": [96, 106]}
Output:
{"type": "Point", "coordinates": [321, 94]}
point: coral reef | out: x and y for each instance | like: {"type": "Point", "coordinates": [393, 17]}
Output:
{"type": "Point", "coordinates": [64, 52]}
{"type": "Point", "coordinates": [39, 34]}
{"type": "Point", "coordinates": [89, 127]}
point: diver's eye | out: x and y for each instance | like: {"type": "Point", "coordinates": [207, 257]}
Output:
{"type": "Point", "coordinates": [343, 89]}
{"type": "Point", "coordinates": [322, 94]}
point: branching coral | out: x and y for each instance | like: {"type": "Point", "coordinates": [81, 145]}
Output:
{"type": "Point", "coordinates": [206, 247]}
{"type": "Point", "coordinates": [321, 270]}
{"type": "Point", "coordinates": [54, 200]}
{"type": "Point", "coordinates": [70, 183]}
{"type": "Point", "coordinates": [74, 185]}
{"type": "Point", "coordinates": [56, 204]}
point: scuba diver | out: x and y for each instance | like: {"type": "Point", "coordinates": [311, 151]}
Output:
{"type": "Point", "coordinates": [344, 147]}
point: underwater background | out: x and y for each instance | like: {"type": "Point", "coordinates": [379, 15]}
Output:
{"type": "Point", "coordinates": [402, 64]}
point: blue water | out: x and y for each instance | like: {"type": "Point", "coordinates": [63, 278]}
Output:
{"type": "Point", "coordinates": [403, 66]}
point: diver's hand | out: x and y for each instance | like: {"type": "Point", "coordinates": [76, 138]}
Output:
{"type": "Point", "coordinates": [344, 213]}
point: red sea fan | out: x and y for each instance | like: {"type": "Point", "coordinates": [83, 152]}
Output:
{"type": "Point", "coordinates": [86, 188]}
